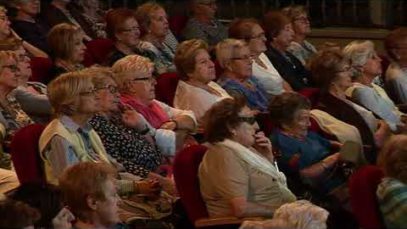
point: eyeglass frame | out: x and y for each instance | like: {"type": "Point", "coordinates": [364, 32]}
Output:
{"type": "Point", "coordinates": [91, 92]}
{"type": "Point", "coordinates": [112, 89]}
{"type": "Point", "coordinates": [247, 119]}
{"type": "Point", "coordinates": [13, 68]}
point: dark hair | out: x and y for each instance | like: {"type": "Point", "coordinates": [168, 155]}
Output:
{"type": "Point", "coordinates": [283, 107]}
{"type": "Point", "coordinates": [44, 197]}
{"type": "Point", "coordinates": [16, 214]}
{"type": "Point", "coordinates": [273, 23]}
{"type": "Point", "coordinates": [242, 28]}
{"type": "Point", "coordinates": [221, 117]}
{"type": "Point", "coordinates": [115, 18]}
{"type": "Point", "coordinates": [325, 66]}
{"type": "Point", "coordinates": [393, 40]}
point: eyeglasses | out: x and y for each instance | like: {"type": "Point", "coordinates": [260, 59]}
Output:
{"type": "Point", "coordinates": [13, 68]}
{"type": "Point", "coordinates": [112, 89]}
{"type": "Point", "coordinates": [251, 120]}
{"type": "Point", "coordinates": [259, 36]}
{"type": "Point", "coordinates": [89, 92]}
{"type": "Point", "coordinates": [302, 19]}
{"type": "Point", "coordinates": [246, 57]}
{"type": "Point", "coordinates": [346, 68]}
{"type": "Point", "coordinates": [149, 79]}
{"type": "Point", "coordinates": [133, 29]}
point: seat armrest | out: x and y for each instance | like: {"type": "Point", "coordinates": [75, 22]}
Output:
{"type": "Point", "coordinates": [212, 222]}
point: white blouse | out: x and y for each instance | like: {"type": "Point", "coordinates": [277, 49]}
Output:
{"type": "Point", "coordinates": [268, 77]}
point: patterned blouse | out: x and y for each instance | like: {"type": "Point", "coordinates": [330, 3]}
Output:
{"type": "Point", "coordinates": [127, 146]}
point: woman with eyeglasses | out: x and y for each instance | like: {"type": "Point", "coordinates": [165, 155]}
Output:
{"type": "Point", "coordinates": [264, 71]}
{"type": "Point", "coordinates": [236, 61]}
{"type": "Point", "coordinates": [238, 175]}
{"type": "Point", "coordinates": [332, 74]}
{"type": "Point", "coordinates": [279, 33]}
{"type": "Point", "coordinates": [169, 126]}
{"type": "Point", "coordinates": [305, 156]}
{"type": "Point", "coordinates": [299, 47]}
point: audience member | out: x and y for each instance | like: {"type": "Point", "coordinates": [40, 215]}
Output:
{"type": "Point", "coordinates": [154, 26]}
{"type": "Point", "coordinates": [300, 47]}
{"type": "Point", "coordinates": [196, 91]}
{"type": "Point", "coordinates": [67, 49]}
{"type": "Point", "coordinates": [89, 16]}
{"type": "Point", "coordinates": [17, 215]}
{"type": "Point", "coordinates": [366, 67]}
{"type": "Point", "coordinates": [169, 126]}
{"type": "Point", "coordinates": [392, 191]}
{"type": "Point", "coordinates": [250, 31]}
{"type": "Point", "coordinates": [396, 75]}
{"type": "Point", "coordinates": [332, 74]}
{"type": "Point", "coordinates": [238, 176]}
{"type": "Point", "coordinates": [26, 23]}
{"type": "Point", "coordinates": [235, 59]}
{"type": "Point", "coordinates": [280, 34]}
{"type": "Point", "coordinates": [203, 24]}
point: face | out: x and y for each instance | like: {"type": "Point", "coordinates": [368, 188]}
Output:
{"type": "Point", "coordinates": [343, 79]}
{"type": "Point", "coordinates": [23, 65]}
{"type": "Point", "coordinates": [207, 8]}
{"type": "Point", "coordinates": [299, 126]}
{"type": "Point", "coordinates": [301, 24]}
{"type": "Point", "coordinates": [142, 86]}
{"type": "Point", "coordinates": [30, 7]}
{"type": "Point", "coordinates": [159, 23]}
{"type": "Point", "coordinates": [373, 66]}
{"type": "Point", "coordinates": [244, 132]}
{"type": "Point", "coordinates": [108, 96]}
{"type": "Point", "coordinates": [285, 36]}
{"type": "Point", "coordinates": [88, 101]}
{"type": "Point", "coordinates": [91, 3]}
{"type": "Point", "coordinates": [204, 68]}
{"type": "Point", "coordinates": [257, 43]}
{"type": "Point", "coordinates": [4, 24]}
{"type": "Point", "coordinates": [9, 74]}
{"type": "Point", "coordinates": [107, 209]}
{"type": "Point", "coordinates": [241, 63]}
{"type": "Point", "coordinates": [129, 33]}
{"type": "Point", "coordinates": [78, 51]}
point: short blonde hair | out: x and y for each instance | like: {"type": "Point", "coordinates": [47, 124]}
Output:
{"type": "Point", "coordinates": [143, 14]}
{"type": "Point", "coordinates": [99, 75]}
{"type": "Point", "coordinates": [61, 40]}
{"type": "Point", "coordinates": [393, 158]}
{"type": "Point", "coordinates": [358, 52]}
{"type": "Point", "coordinates": [294, 11]}
{"type": "Point", "coordinates": [131, 64]}
{"type": "Point", "coordinates": [66, 88]}
{"type": "Point", "coordinates": [226, 49]}
{"type": "Point", "coordinates": [185, 56]}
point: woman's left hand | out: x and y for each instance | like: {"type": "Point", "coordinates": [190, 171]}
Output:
{"type": "Point", "coordinates": [263, 145]}
{"type": "Point", "coordinates": [63, 219]}
{"type": "Point", "coordinates": [131, 118]}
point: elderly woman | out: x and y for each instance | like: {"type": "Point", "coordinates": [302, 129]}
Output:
{"type": "Point", "coordinates": [67, 48]}
{"type": "Point", "coordinates": [203, 24]}
{"type": "Point", "coordinates": [237, 175]}
{"type": "Point", "coordinates": [332, 73]}
{"type": "Point", "coordinates": [392, 191]}
{"type": "Point", "coordinates": [280, 34]}
{"type": "Point", "coordinates": [90, 17]}
{"type": "Point", "coordinates": [196, 91]}
{"type": "Point", "coordinates": [250, 31]}
{"type": "Point", "coordinates": [396, 75]}
{"type": "Point", "coordinates": [154, 24]}
{"type": "Point", "coordinates": [366, 67]}
{"type": "Point", "coordinates": [119, 131]}
{"type": "Point", "coordinates": [235, 59]}
{"type": "Point", "coordinates": [304, 153]}
{"type": "Point", "coordinates": [299, 47]}
{"type": "Point", "coordinates": [133, 75]}
{"type": "Point", "coordinates": [90, 193]}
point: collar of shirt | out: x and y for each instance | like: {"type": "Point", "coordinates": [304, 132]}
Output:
{"type": "Point", "coordinates": [73, 126]}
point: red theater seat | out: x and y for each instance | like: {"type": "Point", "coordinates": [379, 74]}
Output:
{"type": "Point", "coordinates": [40, 68]}
{"type": "Point", "coordinates": [166, 86]}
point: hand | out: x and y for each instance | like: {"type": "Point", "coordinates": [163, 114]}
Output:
{"type": "Point", "coordinates": [263, 145]}
{"type": "Point", "coordinates": [332, 159]}
{"type": "Point", "coordinates": [170, 125]}
{"type": "Point", "coordinates": [15, 35]}
{"type": "Point", "coordinates": [148, 187]}
{"type": "Point", "coordinates": [63, 219]}
{"type": "Point", "coordinates": [132, 118]}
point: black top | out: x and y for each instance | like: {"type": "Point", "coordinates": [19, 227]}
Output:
{"type": "Point", "coordinates": [33, 32]}
{"type": "Point", "coordinates": [290, 69]}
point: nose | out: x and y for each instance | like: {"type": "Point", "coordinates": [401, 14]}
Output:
{"type": "Point", "coordinates": [256, 126]}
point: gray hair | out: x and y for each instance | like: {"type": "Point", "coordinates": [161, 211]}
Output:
{"type": "Point", "coordinates": [359, 52]}
{"type": "Point", "coordinates": [226, 49]}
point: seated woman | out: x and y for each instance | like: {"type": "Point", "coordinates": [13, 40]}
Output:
{"type": "Point", "coordinates": [300, 47]}
{"type": "Point", "coordinates": [396, 75]}
{"type": "Point", "coordinates": [392, 191]}
{"type": "Point", "coordinates": [154, 24]}
{"type": "Point", "coordinates": [366, 66]}
{"type": "Point", "coordinates": [90, 17]}
{"type": "Point", "coordinates": [234, 58]}
{"type": "Point", "coordinates": [196, 91]}
{"type": "Point", "coordinates": [303, 153]}
{"type": "Point", "coordinates": [280, 34]}
{"type": "Point", "coordinates": [264, 71]}
{"type": "Point", "coordinates": [133, 75]}
{"type": "Point", "coordinates": [119, 131]}
{"type": "Point", "coordinates": [90, 193]}
{"type": "Point", "coordinates": [237, 175]}
{"type": "Point", "coordinates": [67, 49]}
{"type": "Point", "coordinates": [16, 214]}
{"type": "Point", "coordinates": [332, 74]}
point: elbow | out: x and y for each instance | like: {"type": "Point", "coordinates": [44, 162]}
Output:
{"type": "Point", "coordinates": [239, 206]}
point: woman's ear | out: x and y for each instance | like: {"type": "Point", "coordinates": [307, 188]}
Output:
{"type": "Point", "coordinates": [228, 66]}
{"type": "Point", "coordinates": [91, 202]}
{"type": "Point", "coordinates": [394, 53]}
{"type": "Point", "coordinates": [231, 129]}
